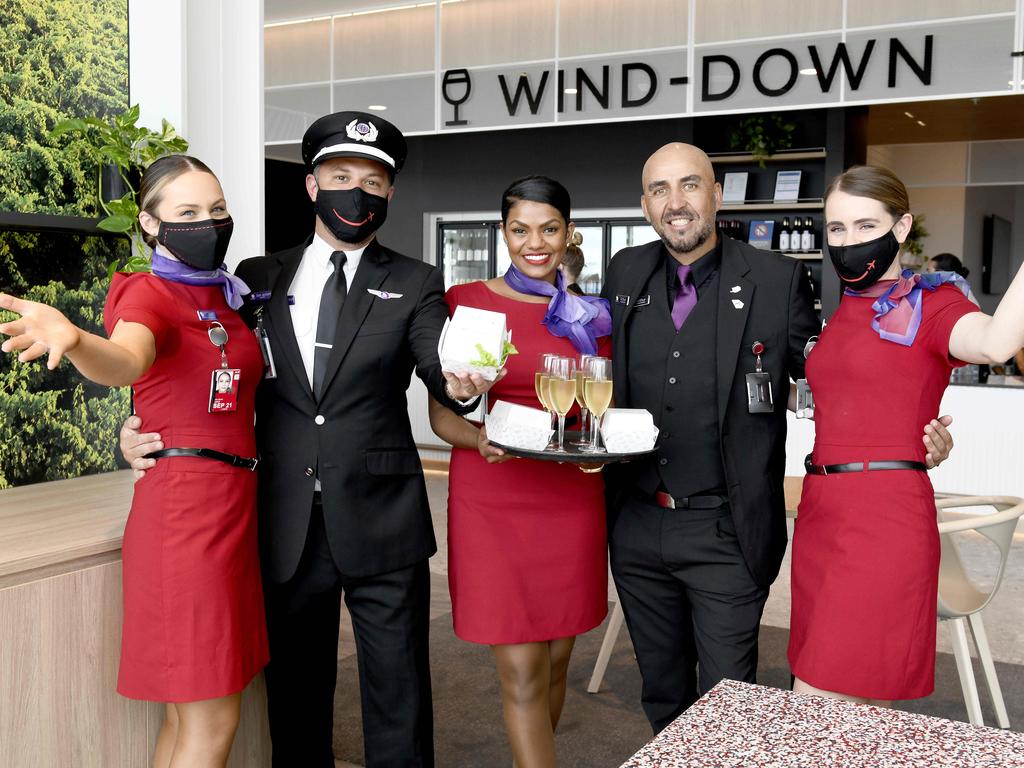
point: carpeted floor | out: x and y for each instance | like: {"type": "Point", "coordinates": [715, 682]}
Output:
{"type": "Point", "coordinates": [597, 730]}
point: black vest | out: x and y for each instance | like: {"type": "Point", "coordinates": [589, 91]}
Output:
{"type": "Point", "coordinates": [672, 375]}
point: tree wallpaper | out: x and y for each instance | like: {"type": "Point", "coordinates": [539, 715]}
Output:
{"type": "Point", "coordinates": [58, 59]}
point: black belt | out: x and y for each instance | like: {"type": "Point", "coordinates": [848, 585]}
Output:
{"type": "Point", "coordinates": [206, 453]}
{"type": "Point", "coordinates": [667, 501]}
{"type": "Point", "coordinates": [859, 466]}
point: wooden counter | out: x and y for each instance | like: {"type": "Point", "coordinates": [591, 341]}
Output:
{"type": "Point", "coordinates": [60, 635]}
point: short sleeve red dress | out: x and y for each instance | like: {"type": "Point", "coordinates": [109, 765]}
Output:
{"type": "Point", "coordinates": [527, 548]}
{"type": "Point", "coordinates": [194, 625]}
{"type": "Point", "coordinates": [865, 546]}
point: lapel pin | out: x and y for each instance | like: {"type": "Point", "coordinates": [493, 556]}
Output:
{"type": "Point", "coordinates": [737, 303]}
{"type": "Point", "coordinates": [384, 294]}
{"type": "Point", "coordinates": [735, 289]}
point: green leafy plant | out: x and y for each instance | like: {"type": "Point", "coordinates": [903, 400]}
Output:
{"type": "Point", "coordinates": [762, 136]}
{"type": "Point", "coordinates": [130, 148]}
{"type": "Point", "coordinates": [914, 244]}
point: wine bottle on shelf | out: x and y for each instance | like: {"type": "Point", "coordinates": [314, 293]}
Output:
{"type": "Point", "coordinates": [784, 235]}
{"type": "Point", "coordinates": [806, 238]}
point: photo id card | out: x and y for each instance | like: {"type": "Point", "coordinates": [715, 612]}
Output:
{"type": "Point", "coordinates": [804, 400]}
{"type": "Point", "coordinates": [759, 393]}
{"type": "Point", "coordinates": [224, 389]}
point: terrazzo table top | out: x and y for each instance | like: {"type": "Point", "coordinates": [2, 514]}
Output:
{"type": "Point", "coordinates": [738, 724]}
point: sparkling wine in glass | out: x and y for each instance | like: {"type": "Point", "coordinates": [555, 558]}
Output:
{"type": "Point", "coordinates": [581, 375]}
{"type": "Point", "coordinates": [562, 392]}
{"type": "Point", "coordinates": [597, 391]}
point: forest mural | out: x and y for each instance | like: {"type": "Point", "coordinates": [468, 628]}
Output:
{"type": "Point", "coordinates": [59, 59]}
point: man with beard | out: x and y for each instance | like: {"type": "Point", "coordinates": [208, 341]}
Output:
{"type": "Point", "coordinates": [342, 502]}
{"type": "Point", "coordinates": [706, 332]}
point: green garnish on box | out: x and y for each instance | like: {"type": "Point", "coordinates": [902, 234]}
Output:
{"type": "Point", "coordinates": [486, 358]}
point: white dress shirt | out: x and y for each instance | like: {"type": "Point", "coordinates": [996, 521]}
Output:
{"type": "Point", "coordinates": [307, 287]}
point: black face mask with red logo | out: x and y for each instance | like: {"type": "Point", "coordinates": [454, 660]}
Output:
{"type": "Point", "coordinates": [863, 264]}
{"type": "Point", "coordinates": [351, 215]}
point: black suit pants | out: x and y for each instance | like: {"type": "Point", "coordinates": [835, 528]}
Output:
{"type": "Point", "coordinates": [692, 608]}
{"type": "Point", "coordinates": [390, 619]}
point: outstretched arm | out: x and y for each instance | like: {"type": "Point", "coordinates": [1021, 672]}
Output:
{"type": "Point", "coordinates": [981, 338]}
{"type": "Point", "coordinates": [42, 330]}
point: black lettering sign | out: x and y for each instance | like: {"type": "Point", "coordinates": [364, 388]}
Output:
{"type": "Point", "coordinates": [652, 84]}
{"type": "Point", "coordinates": [854, 76]}
{"type": "Point", "coordinates": [583, 81]}
{"type": "Point", "coordinates": [794, 72]}
{"type": "Point", "coordinates": [705, 87]}
{"type": "Point", "coordinates": [523, 88]}
{"type": "Point", "coordinates": [452, 79]}
{"type": "Point", "coordinates": [923, 71]}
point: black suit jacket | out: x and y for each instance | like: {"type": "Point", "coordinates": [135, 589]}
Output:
{"type": "Point", "coordinates": [778, 310]}
{"type": "Point", "coordinates": [373, 492]}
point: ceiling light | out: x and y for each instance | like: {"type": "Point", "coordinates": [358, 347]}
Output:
{"type": "Point", "coordinates": [377, 107]}
{"type": "Point", "coordinates": [921, 123]}
{"type": "Point", "coordinates": [809, 71]}
{"type": "Point", "coordinates": [909, 115]}
{"type": "Point", "coordinates": [571, 91]}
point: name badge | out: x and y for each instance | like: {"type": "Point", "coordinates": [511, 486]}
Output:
{"type": "Point", "coordinates": [642, 302]}
{"type": "Point", "coordinates": [619, 299]}
{"type": "Point", "coordinates": [224, 389]}
{"type": "Point", "coordinates": [260, 297]}
{"type": "Point", "coordinates": [207, 315]}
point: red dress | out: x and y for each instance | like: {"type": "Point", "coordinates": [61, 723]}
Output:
{"type": "Point", "coordinates": [194, 625]}
{"type": "Point", "coordinates": [527, 548]}
{"type": "Point", "coordinates": [865, 546]}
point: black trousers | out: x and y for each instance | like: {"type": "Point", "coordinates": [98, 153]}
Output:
{"type": "Point", "coordinates": [390, 618]}
{"type": "Point", "coordinates": [692, 608]}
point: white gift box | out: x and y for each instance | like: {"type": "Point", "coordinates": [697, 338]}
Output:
{"type": "Point", "coordinates": [469, 333]}
{"type": "Point", "coordinates": [628, 430]}
{"type": "Point", "coordinates": [518, 426]}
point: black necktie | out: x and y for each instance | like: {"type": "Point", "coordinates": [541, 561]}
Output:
{"type": "Point", "coordinates": [331, 302]}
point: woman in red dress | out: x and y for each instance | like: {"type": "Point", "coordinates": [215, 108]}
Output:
{"type": "Point", "coordinates": [527, 550]}
{"type": "Point", "coordinates": [194, 633]}
{"type": "Point", "coordinates": [866, 546]}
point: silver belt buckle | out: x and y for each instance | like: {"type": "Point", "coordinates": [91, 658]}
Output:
{"type": "Point", "coordinates": [665, 500]}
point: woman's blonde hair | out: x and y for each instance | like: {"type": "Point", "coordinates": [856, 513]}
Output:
{"type": "Point", "coordinates": [574, 261]}
{"type": "Point", "coordinates": [157, 176]}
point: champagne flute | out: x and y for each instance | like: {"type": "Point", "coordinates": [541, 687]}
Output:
{"type": "Point", "coordinates": [540, 383]}
{"type": "Point", "coordinates": [597, 391]}
{"type": "Point", "coordinates": [562, 392]}
{"type": "Point", "coordinates": [581, 375]}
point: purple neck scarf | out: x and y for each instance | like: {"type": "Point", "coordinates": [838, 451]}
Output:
{"type": "Point", "coordinates": [581, 319]}
{"type": "Point", "coordinates": [179, 272]}
{"type": "Point", "coordinates": [898, 307]}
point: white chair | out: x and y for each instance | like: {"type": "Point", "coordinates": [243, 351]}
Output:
{"type": "Point", "coordinates": [961, 600]}
{"type": "Point", "coordinates": [611, 635]}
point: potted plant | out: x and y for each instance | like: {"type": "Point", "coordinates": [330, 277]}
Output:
{"type": "Point", "coordinates": [762, 136]}
{"type": "Point", "coordinates": [914, 244]}
{"type": "Point", "coordinates": [122, 151]}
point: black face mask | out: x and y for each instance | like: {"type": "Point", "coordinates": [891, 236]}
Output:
{"type": "Point", "coordinates": [200, 244]}
{"type": "Point", "coordinates": [861, 265]}
{"type": "Point", "coordinates": [352, 215]}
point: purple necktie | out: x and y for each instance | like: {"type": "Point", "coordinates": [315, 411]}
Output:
{"type": "Point", "coordinates": [686, 298]}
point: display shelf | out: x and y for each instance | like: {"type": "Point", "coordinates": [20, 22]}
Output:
{"type": "Point", "coordinates": [812, 153]}
{"type": "Point", "coordinates": [807, 204]}
{"type": "Point", "coordinates": [802, 255]}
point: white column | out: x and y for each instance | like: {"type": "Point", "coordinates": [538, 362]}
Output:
{"type": "Point", "coordinates": [199, 63]}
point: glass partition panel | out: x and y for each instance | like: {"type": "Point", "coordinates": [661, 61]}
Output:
{"type": "Point", "coordinates": [871, 12]}
{"type": "Point", "coordinates": [465, 253]}
{"type": "Point", "coordinates": [717, 20]}
{"type": "Point", "coordinates": [387, 42]}
{"type": "Point", "coordinates": [409, 100]}
{"type": "Point", "coordinates": [628, 235]}
{"type": "Point", "coordinates": [592, 276]}
{"type": "Point", "coordinates": [287, 112]}
{"type": "Point", "coordinates": [297, 53]}
{"type": "Point", "coordinates": [481, 32]}
{"type": "Point", "coordinates": [588, 27]}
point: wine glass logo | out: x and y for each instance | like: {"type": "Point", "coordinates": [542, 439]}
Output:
{"type": "Point", "coordinates": [453, 78]}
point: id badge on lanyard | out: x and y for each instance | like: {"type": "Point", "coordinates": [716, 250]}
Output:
{"type": "Point", "coordinates": [759, 385]}
{"type": "Point", "coordinates": [224, 381]}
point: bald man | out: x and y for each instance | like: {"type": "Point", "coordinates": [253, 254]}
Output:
{"type": "Point", "coordinates": [697, 531]}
